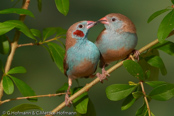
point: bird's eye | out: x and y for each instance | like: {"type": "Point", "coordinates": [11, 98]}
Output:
{"type": "Point", "coordinates": [113, 19]}
{"type": "Point", "coordinates": [80, 26]}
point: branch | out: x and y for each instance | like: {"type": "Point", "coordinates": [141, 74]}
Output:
{"type": "Point", "coordinates": [39, 43]}
{"type": "Point", "coordinates": [19, 98]}
{"type": "Point", "coordinates": [145, 98]}
{"type": "Point", "coordinates": [14, 45]}
{"type": "Point", "coordinates": [97, 80]}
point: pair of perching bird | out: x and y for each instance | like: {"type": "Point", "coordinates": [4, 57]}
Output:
{"type": "Point", "coordinates": [115, 42]}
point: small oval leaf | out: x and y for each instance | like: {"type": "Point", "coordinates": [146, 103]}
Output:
{"type": "Point", "coordinates": [17, 11]}
{"type": "Point", "coordinates": [81, 102]}
{"type": "Point", "coordinates": [39, 4]}
{"type": "Point", "coordinates": [4, 45]}
{"type": "Point", "coordinates": [163, 92]}
{"type": "Point", "coordinates": [156, 61]}
{"type": "Point", "coordinates": [118, 91]}
{"type": "Point", "coordinates": [8, 85]}
{"type": "Point", "coordinates": [19, 25]}
{"type": "Point", "coordinates": [25, 89]}
{"type": "Point", "coordinates": [16, 70]}
{"type": "Point", "coordinates": [166, 26]}
{"type": "Point", "coordinates": [155, 83]}
{"type": "Point", "coordinates": [62, 6]}
{"type": "Point", "coordinates": [157, 13]}
{"type": "Point", "coordinates": [134, 69]}
{"type": "Point", "coordinates": [36, 32]}
{"type": "Point", "coordinates": [57, 53]}
{"type": "Point", "coordinates": [128, 102]}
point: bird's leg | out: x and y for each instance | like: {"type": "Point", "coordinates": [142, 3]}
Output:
{"type": "Point", "coordinates": [103, 75]}
{"type": "Point", "coordinates": [67, 100]}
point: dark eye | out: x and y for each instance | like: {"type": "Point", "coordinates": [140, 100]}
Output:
{"type": "Point", "coordinates": [80, 26]}
{"type": "Point", "coordinates": [113, 19]}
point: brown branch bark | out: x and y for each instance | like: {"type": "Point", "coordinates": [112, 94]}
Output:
{"type": "Point", "coordinates": [88, 86]}
{"type": "Point", "coordinates": [14, 45]}
{"type": "Point", "coordinates": [20, 98]}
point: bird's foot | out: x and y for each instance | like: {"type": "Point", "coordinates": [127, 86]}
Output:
{"type": "Point", "coordinates": [137, 54]}
{"type": "Point", "coordinates": [68, 102]}
{"type": "Point", "coordinates": [103, 75]}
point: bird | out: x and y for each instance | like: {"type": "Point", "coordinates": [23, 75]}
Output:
{"type": "Point", "coordinates": [81, 55]}
{"type": "Point", "coordinates": [117, 40]}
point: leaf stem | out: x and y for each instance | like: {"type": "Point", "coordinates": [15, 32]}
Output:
{"type": "Point", "coordinates": [20, 98]}
{"type": "Point", "coordinates": [14, 45]}
{"type": "Point", "coordinates": [97, 80]}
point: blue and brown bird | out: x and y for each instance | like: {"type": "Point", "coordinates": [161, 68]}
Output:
{"type": "Point", "coordinates": [117, 40]}
{"type": "Point", "coordinates": [82, 56]}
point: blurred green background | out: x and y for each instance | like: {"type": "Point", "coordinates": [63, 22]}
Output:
{"type": "Point", "coordinates": [44, 76]}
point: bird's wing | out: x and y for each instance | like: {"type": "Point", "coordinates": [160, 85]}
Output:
{"type": "Point", "coordinates": [99, 37]}
{"type": "Point", "coordinates": [65, 65]}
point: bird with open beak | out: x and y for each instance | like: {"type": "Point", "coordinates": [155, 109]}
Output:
{"type": "Point", "coordinates": [117, 40]}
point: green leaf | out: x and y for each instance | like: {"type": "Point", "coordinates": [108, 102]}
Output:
{"type": "Point", "coordinates": [128, 102]}
{"type": "Point", "coordinates": [22, 108]}
{"type": "Point", "coordinates": [5, 27]}
{"type": "Point", "coordinates": [166, 46]}
{"type": "Point", "coordinates": [16, 70]}
{"type": "Point", "coordinates": [163, 92]}
{"type": "Point", "coordinates": [63, 88]}
{"type": "Point", "coordinates": [62, 6]}
{"type": "Point", "coordinates": [8, 85]}
{"type": "Point", "coordinates": [137, 94]}
{"type": "Point", "coordinates": [47, 32]}
{"type": "Point", "coordinates": [166, 26]}
{"type": "Point", "coordinates": [142, 111]}
{"type": "Point", "coordinates": [39, 4]}
{"type": "Point", "coordinates": [151, 73]}
{"type": "Point", "coordinates": [156, 61]}
{"type": "Point", "coordinates": [134, 69]}
{"type": "Point", "coordinates": [19, 25]}
{"type": "Point", "coordinates": [17, 11]}
{"type": "Point", "coordinates": [4, 45]}
{"type": "Point", "coordinates": [155, 83]}
{"type": "Point", "coordinates": [90, 110]}
{"type": "Point", "coordinates": [157, 13]}
{"type": "Point", "coordinates": [117, 92]}
{"type": "Point", "coordinates": [81, 102]}
{"type": "Point", "coordinates": [172, 1]}
{"type": "Point", "coordinates": [24, 88]}
{"type": "Point", "coordinates": [36, 32]}
{"type": "Point", "coordinates": [57, 53]}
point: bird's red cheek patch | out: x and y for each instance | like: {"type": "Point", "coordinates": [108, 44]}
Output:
{"type": "Point", "coordinates": [78, 33]}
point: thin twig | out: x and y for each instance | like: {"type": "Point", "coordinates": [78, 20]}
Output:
{"type": "Point", "coordinates": [39, 43]}
{"type": "Point", "coordinates": [14, 45]}
{"type": "Point", "coordinates": [145, 98]}
{"type": "Point", "coordinates": [19, 98]}
{"type": "Point", "coordinates": [97, 80]}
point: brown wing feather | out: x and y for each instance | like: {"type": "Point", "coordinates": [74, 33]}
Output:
{"type": "Point", "coordinates": [65, 65]}
{"type": "Point", "coordinates": [99, 37]}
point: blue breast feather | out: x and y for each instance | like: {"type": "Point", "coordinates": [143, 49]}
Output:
{"type": "Point", "coordinates": [83, 49]}
{"type": "Point", "coordinates": [116, 41]}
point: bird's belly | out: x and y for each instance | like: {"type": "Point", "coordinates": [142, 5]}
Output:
{"type": "Point", "coordinates": [84, 69]}
{"type": "Point", "coordinates": [114, 55]}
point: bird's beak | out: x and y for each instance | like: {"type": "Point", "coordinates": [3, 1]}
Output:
{"type": "Point", "coordinates": [103, 20]}
{"type": "Point", "coordinates": [90, 24]}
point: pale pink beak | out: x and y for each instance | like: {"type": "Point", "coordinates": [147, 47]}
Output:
{"type": "Point", "coordinates": [90, 24]}
{"type": "Point", "coordinates": [104, 20]}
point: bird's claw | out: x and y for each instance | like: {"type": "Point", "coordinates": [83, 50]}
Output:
{"type": "Point", "coordinates": [68, 102]}
{"type": "Point", "coordinates": [137, 54]}
{"type": "Point", "coordinates": [103, 75]}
